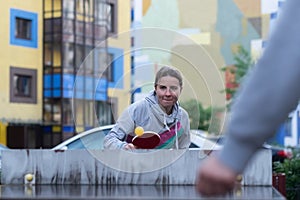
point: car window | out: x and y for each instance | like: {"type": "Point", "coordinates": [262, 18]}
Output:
{"type": "Point", "coordinates": [91, 141]}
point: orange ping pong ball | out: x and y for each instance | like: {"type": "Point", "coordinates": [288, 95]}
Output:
{"type": "Point", "coordinates": [139, 131]}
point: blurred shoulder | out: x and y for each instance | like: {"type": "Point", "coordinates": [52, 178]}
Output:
{"type": "Point", "coordinates": [184, 112]}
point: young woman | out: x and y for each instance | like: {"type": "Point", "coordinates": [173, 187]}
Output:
{"type": "Point", "coordinates": [159, 112]}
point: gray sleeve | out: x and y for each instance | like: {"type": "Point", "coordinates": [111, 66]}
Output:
{"type": "Point", "coordinates": [268, 95]}
{"type": "Point", "coordinates": [115, 138]}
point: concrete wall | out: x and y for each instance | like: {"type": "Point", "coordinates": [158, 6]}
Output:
{"type": "Point", "coordinates": [162, 167]}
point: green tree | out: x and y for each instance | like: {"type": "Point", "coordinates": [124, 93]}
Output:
{"type": "Point", "coordinates": [199, 116]}
{"type": "Point", "coordinates": [216, 121]}
{"type": "Point", "coordinates": [243, 62]}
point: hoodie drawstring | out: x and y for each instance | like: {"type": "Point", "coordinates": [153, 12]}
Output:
{"type": "Point", "coordinates": [176, 134]}
{"type": "Point", "coordinates": [165, 123]}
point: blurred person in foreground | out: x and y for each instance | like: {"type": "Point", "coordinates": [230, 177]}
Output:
{"type": "Point", "coordinates": [159, 112]}
{"type": "Point", "coordinates": [270, 92]}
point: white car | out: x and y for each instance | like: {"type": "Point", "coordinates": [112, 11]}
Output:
{"type": "Point", "coordinates": [200, 140]}
{"type": "Point", "coordinates": [93, 139]}
{"type": "Point", "coordinates": [2, 148]}
{"type": "Point", "coordinates": [90, 139]}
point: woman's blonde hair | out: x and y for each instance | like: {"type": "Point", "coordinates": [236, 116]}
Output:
{"type": "Point", "coordinates": [168, 71]}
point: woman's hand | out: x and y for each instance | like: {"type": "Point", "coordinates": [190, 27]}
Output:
{"type": "Point", "coordinates": [129, 146]}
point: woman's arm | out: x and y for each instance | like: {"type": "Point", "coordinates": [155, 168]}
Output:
{"type": "Point", "coordinates": [115, 138]}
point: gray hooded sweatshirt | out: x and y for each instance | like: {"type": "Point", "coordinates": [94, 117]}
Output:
{"type": "Point", "coordinates": [174, 129]}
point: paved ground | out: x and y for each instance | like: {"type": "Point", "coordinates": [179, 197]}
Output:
{"type": "Point", "coordinates": [132, 192]}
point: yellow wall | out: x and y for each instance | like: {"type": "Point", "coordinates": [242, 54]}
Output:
{"type": "Point", "coordinates": [210, 40]}
{"type": "Point", "coordinates": [3, 134]}
{"type": "Point", "coordinates": [18, 56]}
{"type": "Point", "coordinates": [122, 40]}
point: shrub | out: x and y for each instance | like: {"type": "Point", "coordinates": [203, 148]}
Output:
{"type": "Point", "coordinates": [291, 169]}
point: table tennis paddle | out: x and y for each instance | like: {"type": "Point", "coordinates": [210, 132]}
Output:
{"type": "Point", "coordinates": [148, 140]}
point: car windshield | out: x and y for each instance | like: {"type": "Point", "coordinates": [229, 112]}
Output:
{"type": "Point", "coordinates": [88, 141]}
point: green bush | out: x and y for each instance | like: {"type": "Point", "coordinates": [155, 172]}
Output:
{"type": "Point", "coordinates": [291, 169]}
{"type": "Point", "coordinates": [199, 116]}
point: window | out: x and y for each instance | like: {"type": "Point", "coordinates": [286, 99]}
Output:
{"type": "Point", "coordinates": [68, 59]}
{"type": "Point", "coordinates": [68, 7]}
{"type": "Point", "coordinates": [106, 15]}
{"type": "Point", "coordinates": [288, 126]}
{"type": "Point", "coordinates": [83, 58]}
{"type": "Point", "coordinates": [111, 64]}
{"type": "Point", "coordinates": [110, 68]}
{"type": "Point", "coordinates": [115, 71]}
{"type": "Point", "coordinates": [23, 28]}
{"type": "Point", "coordinates": [52, 110]}
{"type": "Point", "coordinates": [83, 7]}
{"type": "Point", "coordinates": [104, 111]}
{"type": "Point", "coordinates": [67, 112]}
{"type": "Point", "coordinates": [23, 85]}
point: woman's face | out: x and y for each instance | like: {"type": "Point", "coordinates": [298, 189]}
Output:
{"type": "Point", "coordinates": [167, 90]}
